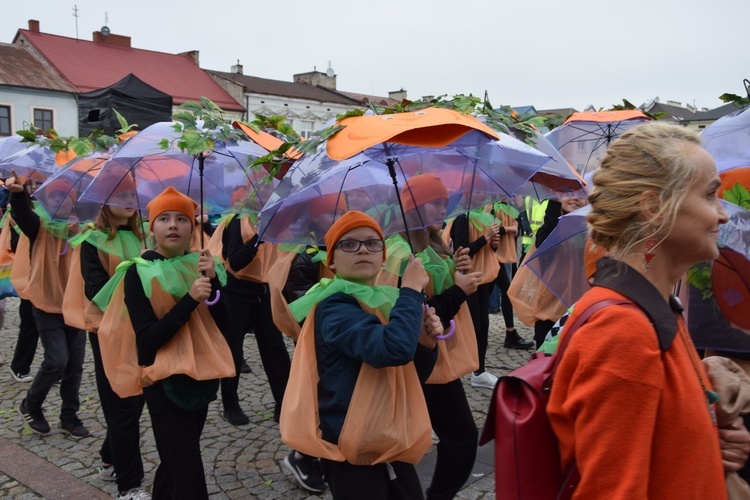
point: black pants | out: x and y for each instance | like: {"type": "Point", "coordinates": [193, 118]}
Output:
{"type": "Point", "coordinates": [177, 434]}
{"type": "Point", "coordinates": [454, 425]}
{"type": "Point", "coordinates": [372, 482]}
{"type": "Point", "coordinates": [64, 352]}
{"type": "Point", "coordinates": [122, 443]}
{"type": "Point", "coordinates": [503, 282]}
{"type": "Point", "coordinates": [28, 338]}
{"type": "Point", "coordinates": [479, 307]}
{"type": "Point", "coordinates": [255, 314]}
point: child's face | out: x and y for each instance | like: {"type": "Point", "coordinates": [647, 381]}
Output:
{"type": "Point", "coordinates": [172, 231]}
{"type": "Point", "coordinates": [361, 266]}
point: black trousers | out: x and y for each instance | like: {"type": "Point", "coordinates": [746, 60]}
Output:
{"type": "Point", "coordinates": [479, 307]}
{"type": "Point", "coordinates": [254, 313]}
{"type": "Point", "coordinates": [28, 338]}
{"type": "Point", "coordinates": [372, 482]}
{"type": "Point", "coordinates": [177, 434]}
{"type": "Point", "coordinates": [503, 282]}
{"type": "Point", "coordinates": [122, 443]}
{"type": "Point", "coordinates": [454, 425]}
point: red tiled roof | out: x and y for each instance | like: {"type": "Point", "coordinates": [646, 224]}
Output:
{"type": "Point", "coordinates": [92, 66]}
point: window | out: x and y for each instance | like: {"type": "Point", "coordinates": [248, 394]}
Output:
{"type": "Point", "coordinates": [43, 118]}
{"type": "Point", "coordinates": [307, 127]}
{"type": "Point", "coordinates": [5, 121]}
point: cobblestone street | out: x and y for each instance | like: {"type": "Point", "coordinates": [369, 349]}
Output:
{"type": "Point", "coordinates": [240, 462]}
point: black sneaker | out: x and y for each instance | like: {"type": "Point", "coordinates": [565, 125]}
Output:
{"type": "Point", "coordinates": [235, 417]}
{"type": "Point", "coordinates": [307, 472]}
{"type": "Point", "coordinates": [34, 420]}
{"type": "Point", "coordinates": [245, 368]}
{"type": "Point", "coordinates": [74, 429]}
{"type": "Point", "coordinates": [515, 341]}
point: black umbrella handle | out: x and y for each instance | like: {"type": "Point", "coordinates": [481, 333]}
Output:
{"type": "Point", "coordinates": [201, 159]}
{"type": "Point", "coordinates": [392, 170]}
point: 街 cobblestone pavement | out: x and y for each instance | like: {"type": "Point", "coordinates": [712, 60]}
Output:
{"type": "Point", "coordinates": [240, 462]}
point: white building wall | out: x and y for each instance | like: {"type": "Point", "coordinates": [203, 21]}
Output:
{"type": "Point", "coordinates": [303, 115]}
{"type": "Point", "coordinates": [22, 103]}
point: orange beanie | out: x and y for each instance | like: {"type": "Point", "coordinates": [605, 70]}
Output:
{"type": "Point", "coordinates": [422, 189]}
{"type": "Point", "coordinates": [327, 203]}
{"type": "Point", "coordinates": [170, 199]}
{"type": "Point", "coordinates": [347, 222]}
{"type": "Point", "coordinates": [61, 185]}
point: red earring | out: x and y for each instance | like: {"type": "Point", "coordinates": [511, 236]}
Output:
{"type": "Point", "coordinates": [648, 255]}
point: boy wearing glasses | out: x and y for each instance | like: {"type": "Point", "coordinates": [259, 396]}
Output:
{"type": "Point", "coordinates": [354, 396]}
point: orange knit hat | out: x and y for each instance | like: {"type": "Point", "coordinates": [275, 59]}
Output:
{"type": "Point", "coordinates": [347, 222]}
{"type": "Point", "coordinates": [61, 185]}
{"type": "Point", "coordinates": [170, 199]}
{"type": "Point", "coordinates": [422, 189]}
{"type": "Point", "coordinates": [327, 203]}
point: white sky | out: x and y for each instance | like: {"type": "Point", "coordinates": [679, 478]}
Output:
{"type": "Point", "coordinates": [546, 53]}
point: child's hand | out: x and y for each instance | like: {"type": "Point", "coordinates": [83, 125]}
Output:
{"type": "Point", "coordinates": [467, 282]}
{"type": "Point", "coordinates": [206, 264]}
{"type": "Point", "coordinates": [14, 184]}
{"type": "Point", "coordinates": [462, 260]}
{"type": "Point", "coordinates": [201, 289]}
{"type": "Point", "coordinates": [74, 226]}
{"type": "Point", "coordinates": [492, 231]}
{"type": "Point", "coordinates": [431, 328]}
{"type": "Point", "coordinates": [512, 229]}
{"type": "Point", "coordinates": [414, 277]}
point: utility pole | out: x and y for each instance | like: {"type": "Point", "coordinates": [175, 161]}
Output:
{"type": "Point", "coordinates": [75, 14]}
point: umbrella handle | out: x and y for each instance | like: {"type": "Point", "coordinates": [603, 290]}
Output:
{"type": "Point", "coordinates": [451, 331]}
{"type": "Point", "coordinates": [65, 248]}
{"type": "Point", "coordinates": [212, 302]}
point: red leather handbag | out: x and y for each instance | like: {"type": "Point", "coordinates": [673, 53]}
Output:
{"type": "Point", "coordinates": [527, 456]}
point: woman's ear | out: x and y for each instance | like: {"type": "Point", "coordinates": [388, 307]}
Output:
{"type": "Point", "coordinates": [650, 204]}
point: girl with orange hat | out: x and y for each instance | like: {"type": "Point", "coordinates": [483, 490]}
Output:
{"type": "Point", "coordinates": [116, 236]}
{"type": "Point", "coordinates": [40, 274]}
{"type": "Point", "coordinates": [354, 397]}
{"type": "Point", "coordinates": [425, 197]}
{"type": "Point", "coordinates": [176, 352]}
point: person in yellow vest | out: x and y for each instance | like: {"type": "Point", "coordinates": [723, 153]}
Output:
{"type": "Point", "coordinates": [354, 397]}
{"type": "Point", "coordinates": [117, 236]}
{"type": "Point", "coordinates": [40, 275]}
{"type": "Point", "coordinates": [532, 218]}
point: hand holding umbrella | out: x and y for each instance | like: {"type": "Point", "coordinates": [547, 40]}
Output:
{"type": "Point", "coordinates": [201, 289]}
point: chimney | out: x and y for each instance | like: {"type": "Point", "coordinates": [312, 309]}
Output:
{"type": "Point", "coordinates": [34, 26]}
{"type": "Point", "coordinates": [317, 78]}
{"type": "Point", "coordinates": [237, 68]}
{"type": "Point", "coordinates": [397, 95]}
{"type": "Point", "coordinates": [192, 54]}
{"type": "Point", "coordinates": [111, 39]}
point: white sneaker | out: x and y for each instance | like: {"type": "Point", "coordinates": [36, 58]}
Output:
{"type": "Point", "coordinates": [484, 379]}
{"type": "Point", "coordinates": [134, 494]}
{"type": "Point", "coordinates": [107, 473]}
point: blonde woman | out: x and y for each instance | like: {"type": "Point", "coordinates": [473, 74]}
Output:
{"type": "Point", "coordinates": [632, 406]}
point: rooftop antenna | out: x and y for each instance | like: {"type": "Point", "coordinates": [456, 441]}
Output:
{"type": "Point", "coordinates": [75, 14]}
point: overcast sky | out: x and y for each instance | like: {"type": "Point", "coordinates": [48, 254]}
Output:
{"type": "Point", "coordinates": [546, 53]}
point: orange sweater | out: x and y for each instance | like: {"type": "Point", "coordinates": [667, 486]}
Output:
{"type": "Point", "coordinates": [635, 418]}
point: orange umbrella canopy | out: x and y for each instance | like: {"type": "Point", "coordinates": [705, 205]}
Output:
{"type": "Point", "coordinates": [607, 116]}
{"type": "Point", "coordinates": [429, 127]}
{"type": "Point", "coordinates": [269, 143]}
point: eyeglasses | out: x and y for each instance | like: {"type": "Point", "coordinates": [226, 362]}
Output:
{"type": "Point", "coordinates": [355, 245]}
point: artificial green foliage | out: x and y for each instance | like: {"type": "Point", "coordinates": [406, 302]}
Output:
{"type": "Point", "coordinates": [737, 195]}
{"type": "Point", "coordinates": [200, 125]}
{"type": "Point", "coordinates": [700, 277]}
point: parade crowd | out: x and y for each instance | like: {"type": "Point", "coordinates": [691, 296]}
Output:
{"type": "Point", "coordinates": [385, 325]}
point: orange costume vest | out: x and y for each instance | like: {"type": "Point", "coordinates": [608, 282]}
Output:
{"type": "Point", "coordinates": [41, 275]}
{"type": "Point", "coordinates": [387, 419]}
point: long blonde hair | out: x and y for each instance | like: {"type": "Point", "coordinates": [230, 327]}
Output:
{"type": "Point", "coordinates": [106, 223]}
{"type": "Point", "coordinates": [653, 158]}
